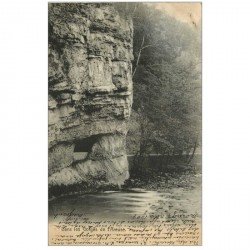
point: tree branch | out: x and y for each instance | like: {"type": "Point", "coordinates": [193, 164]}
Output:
{"type": "Point", "coordinates": [138, 58]}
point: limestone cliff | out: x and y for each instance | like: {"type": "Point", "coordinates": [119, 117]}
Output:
{"type": "Point", "coordinates": [90, 94]}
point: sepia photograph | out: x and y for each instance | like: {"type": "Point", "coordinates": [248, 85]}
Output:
{"type": "Point", "coordinates": [125, 123]}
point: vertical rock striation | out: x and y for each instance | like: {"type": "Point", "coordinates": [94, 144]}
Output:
{"type": "Point", "coordinates": [90, 94]}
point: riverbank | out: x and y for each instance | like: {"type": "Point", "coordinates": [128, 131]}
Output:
{"type": "Point", "coordinates": [167, 207]}
{"type": "Point", "coordinates": [181, 190]}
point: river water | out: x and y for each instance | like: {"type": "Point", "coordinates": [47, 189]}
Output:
{"type": "Point", "coordinates": [125, 204]}
{"type": "Point", "coordinates": [109, 204]}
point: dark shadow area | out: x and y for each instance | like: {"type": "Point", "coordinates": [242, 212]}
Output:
{"type": "Point", "coordinates": [86, 144]}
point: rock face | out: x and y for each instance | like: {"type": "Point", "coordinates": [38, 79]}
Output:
{"type": "Point", "coordinates": [90, 94]}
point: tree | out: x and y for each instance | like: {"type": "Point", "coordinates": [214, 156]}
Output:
{"type": "Point", "coordinates": [167, 82]}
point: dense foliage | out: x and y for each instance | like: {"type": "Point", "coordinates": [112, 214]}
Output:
{"type": "Point", "coordinates": [166, 115]}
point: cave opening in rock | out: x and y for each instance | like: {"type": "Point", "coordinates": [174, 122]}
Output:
{"type": "Point", "coordinates": [83, 147]}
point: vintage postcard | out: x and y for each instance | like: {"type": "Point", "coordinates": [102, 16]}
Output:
{"type": "Point", "coordinates": [124, 128]}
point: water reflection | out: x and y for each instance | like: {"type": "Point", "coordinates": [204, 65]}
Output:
{"type": "Point", "coordinates": [109, 204]}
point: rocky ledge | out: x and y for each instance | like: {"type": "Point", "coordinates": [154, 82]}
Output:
{"type": "Point", "coordinates": [90, 94]}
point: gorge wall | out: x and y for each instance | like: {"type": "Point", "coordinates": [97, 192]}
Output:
{"type": "Point", "coordinates": [90, 94]}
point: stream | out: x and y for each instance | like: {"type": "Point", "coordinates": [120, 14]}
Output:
{"type": "Point", "coordinates": [125, 204]}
